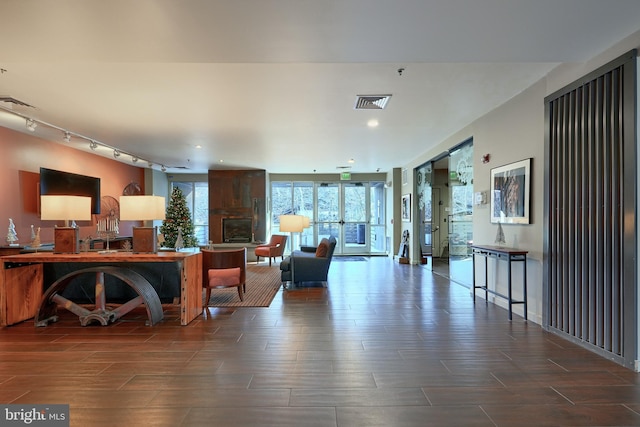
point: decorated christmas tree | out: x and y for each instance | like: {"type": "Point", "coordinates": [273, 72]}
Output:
{"type": "Point", "coordinates": [178, 218]}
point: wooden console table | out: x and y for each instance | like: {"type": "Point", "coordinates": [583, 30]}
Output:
{"type": "Point", "coordinates": [22, 280]}
{"type": "Point", "coordinates": [509, 255]}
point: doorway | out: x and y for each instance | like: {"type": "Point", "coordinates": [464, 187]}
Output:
{"type": "Point", "coordinates": [353, 212]}
{"type": "Point", "coordinates": [444, 188]}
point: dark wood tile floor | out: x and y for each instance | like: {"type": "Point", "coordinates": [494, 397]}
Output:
{"type": "Point", "coordinates": [383, 345]}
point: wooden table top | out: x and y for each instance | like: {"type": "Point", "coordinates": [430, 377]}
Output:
{"type": "Point", "coordinates": [502, 249]}
{"type": "Point", "coordinates": [95, 256]}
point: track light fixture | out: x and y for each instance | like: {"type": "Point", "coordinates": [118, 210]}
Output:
{"type": "Point", "coordinates": [31, 125]}
{"type": "Point", "coordinates": [163, 169]}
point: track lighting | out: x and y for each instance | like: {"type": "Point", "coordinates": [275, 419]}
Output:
{"type": "Point", "coordinates": [31, 125]}
{"type": "Point", "coordinates": [163, 169]}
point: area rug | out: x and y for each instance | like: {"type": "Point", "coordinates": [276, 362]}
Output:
{"type": "Point", "coordinates": [263, 282]}
{"type": "Point", "coordinates": [348, 258]}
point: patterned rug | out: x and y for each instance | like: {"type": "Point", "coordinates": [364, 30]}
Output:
{"type": "Point", "coordinates": [263, 282]}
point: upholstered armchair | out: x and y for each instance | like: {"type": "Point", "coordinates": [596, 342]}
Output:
{"type": "Point", "coordinates": [308, 265]}
{"type": "Point", "coordinates": [273, 249]}
{"type": "Point", "coordinates": [224, 269]}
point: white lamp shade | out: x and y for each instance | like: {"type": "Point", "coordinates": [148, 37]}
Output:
{"type": "Point", "coordinates": [306, 222]}
{"type": "Point", "coordinates": [291, 223]}
{"type": "Point", "coordinates": [142, 208]}
{"type": "Point", "coordinates": [63, 207]}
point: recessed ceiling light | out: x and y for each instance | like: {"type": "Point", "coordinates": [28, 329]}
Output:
{"type": "Point", "coordinates": [198, 146]}
{"type": "Point", "coordinates": [351, 161]}
{"type": "Point", "coordinates": [373, 123]}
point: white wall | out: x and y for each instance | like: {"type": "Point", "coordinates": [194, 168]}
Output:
{"type": "Point", "coordinates": [512, 132]}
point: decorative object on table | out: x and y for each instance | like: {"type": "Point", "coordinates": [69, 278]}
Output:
{"type": "Point", "coordinates": [510, 187]}
{"type": "Point", "coordinates": [107, 229]}
{"type": "Point", "coordinates": [179, 241]}
{"type": "Point", "coordinates": [109, 208]}
{"type": "Point", "coordinates": [67, 208]}
{"type": "Point", "coordinates": [85, 244]}
{"type": "Point", "coordinates": [500, 239]}
{"type": "Point", "coordinates": [178, 216]}
{"type": "Point", "coordinates": [143, 208]}
{"type": "Point", "coordinates": [12, 236]}
{"type": "Point", "coordinates": [33, 235]}
{"type": "Point", "coordinates": [127, 246]}
{"type": "Point", "coordinates": [36, 243]}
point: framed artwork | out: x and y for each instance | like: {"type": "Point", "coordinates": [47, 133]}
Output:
{"type": "Point", "coordinates": [406, 208]}
{"type": "Point", "coordinates": [510, 189]}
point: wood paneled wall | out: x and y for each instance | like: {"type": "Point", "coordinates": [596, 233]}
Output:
{"type": "Point", "coordinates": [237, 194]}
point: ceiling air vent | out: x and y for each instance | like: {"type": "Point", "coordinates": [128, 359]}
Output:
{"type": "Point", "coordinates": [371, 102]}
{"type": "Point", "coordinates": [12, 101]}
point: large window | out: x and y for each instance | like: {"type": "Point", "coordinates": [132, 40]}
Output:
{"type": "Point", "coordinates": [353, 212]}
{"type": "Point", "coordinates": [197, 196]}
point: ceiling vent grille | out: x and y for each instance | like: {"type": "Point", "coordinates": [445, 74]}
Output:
{"type": "Point", "coordinates": [371, 102]}
{"type": "Point", "coordinates": [9, 101]}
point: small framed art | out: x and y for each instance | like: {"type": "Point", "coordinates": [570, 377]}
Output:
{"type": "Point", "coordinates": [406, 208]}
{"type": "Point", "coordinates": [510, 189]}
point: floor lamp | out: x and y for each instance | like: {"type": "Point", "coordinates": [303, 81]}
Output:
{"type": "Point", "coordinates": [143, 208]}
{"type": "Point", "coordinates": [65, 208]}
{"type": "Point", "coordinates": [291, 224]}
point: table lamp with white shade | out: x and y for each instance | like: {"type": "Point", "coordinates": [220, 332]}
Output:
{"type": "Point", "coordinates": [143, 208]}
{"type": "Point", "coordinates": [65, 208]}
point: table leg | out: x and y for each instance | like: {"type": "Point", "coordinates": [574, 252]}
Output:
{"type": "Point", "coordinates": [524, 281]}
{"type": "Point", "coordinates": [509, 287]}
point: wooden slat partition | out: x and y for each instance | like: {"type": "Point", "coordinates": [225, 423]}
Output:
{"type": "Point", "coordinates": [590, 182]}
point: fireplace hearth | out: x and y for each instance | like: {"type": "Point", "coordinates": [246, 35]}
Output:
{"type": "Point", "coordinates": [237, 230]}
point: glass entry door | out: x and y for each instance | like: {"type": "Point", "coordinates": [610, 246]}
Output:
{"type": "Point", "coordinates": [343, 211]}
{"type": "Point", "coordinates": [329, 212]}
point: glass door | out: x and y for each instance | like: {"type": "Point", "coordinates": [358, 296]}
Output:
{"type": "Point", "coordinates": [345, 210]}
{"type": "Point", "coordinates": [425, 213]}
{"type": "Point", "coordinates": [329, 213]}
{"type": "Point", "coordinates": [354, 214]}
{"type": "Point", "coordinates": [461, 215]}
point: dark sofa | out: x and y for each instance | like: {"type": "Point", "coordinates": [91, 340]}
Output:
{"type": "Point", "coordinates": [308, 264]}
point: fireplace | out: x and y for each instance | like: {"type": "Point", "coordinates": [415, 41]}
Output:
{"type": "Point", "coordinates": [237, 230]}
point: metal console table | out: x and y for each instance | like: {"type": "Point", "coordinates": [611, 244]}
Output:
{"type": "Point", "coordinates": [506, 254]}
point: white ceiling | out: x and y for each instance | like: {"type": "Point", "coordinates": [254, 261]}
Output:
{"type": "Point", "coordinates": [271, 84]}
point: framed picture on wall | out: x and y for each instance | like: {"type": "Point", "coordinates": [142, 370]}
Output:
{"type": "Point", "coordinates": [510, 193]}
{"type": "Point", "coordinates": [406, 208]}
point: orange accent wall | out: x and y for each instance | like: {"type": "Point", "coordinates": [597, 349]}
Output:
{"type": "Point", "coordinates": [21, 157]}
